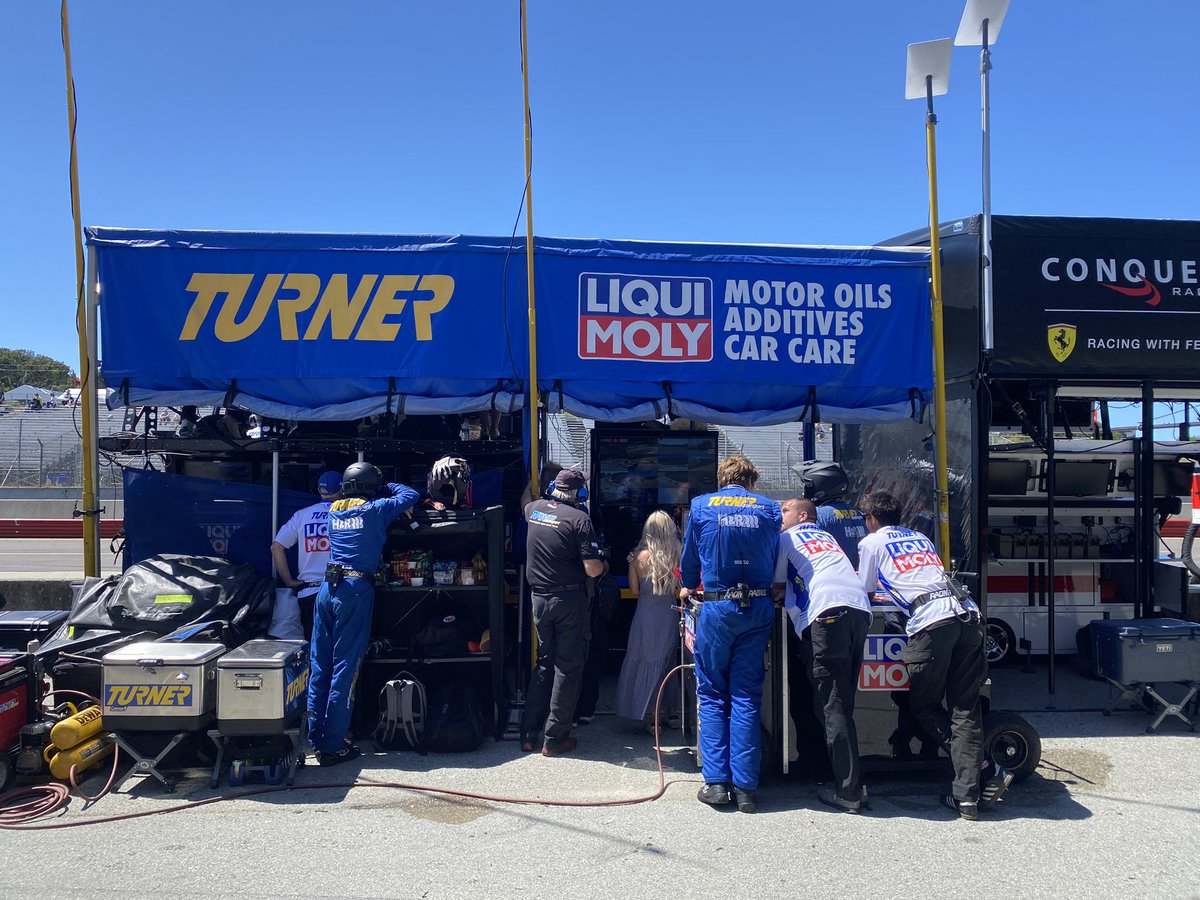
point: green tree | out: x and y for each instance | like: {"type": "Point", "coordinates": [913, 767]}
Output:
{"type": "Point", "coordinates": [18, 367]}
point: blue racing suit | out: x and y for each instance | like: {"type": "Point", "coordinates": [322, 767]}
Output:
{"type": "Point", "coordinates": [845, 524]}
{"type": "Point", "coordinates": [731, 538]}
{"type": "Point", "coordinates": [342, 617]}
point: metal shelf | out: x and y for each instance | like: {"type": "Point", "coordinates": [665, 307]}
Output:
{"type": "Point", "coordinates": [1092, 560]}
{"type": "Point", "coordinates": [433, 589]}
{"type": "Point", "coordinates": [407, 661]}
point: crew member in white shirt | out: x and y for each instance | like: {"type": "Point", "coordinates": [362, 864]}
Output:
{"type": "Point", "coordinates": [308, 532]}
{"type": "Point", "coordinates": [945, 648]}
{"type": "Point", "coordinates": [831, 613]}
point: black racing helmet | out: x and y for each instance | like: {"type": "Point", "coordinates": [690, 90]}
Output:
{"type": "Point", "coordinates": [823, 481]}
{"type": "Point", "coordinates": [361, 479]}
{"type": "Point", "coordinates": [449, 482]}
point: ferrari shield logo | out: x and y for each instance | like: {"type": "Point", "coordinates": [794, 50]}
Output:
{"type": "Point", "coordinates": [1061, 339]}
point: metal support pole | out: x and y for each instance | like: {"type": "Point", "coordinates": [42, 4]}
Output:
{"type": "Point", "coordinates": [274, 502]}
{"type": "Point", "coordinates": [534, 467]}
{"type": "Point", "coordinates": [1146, 543]}
{"type": "Point", "coordinates": [85, 326]}
{"type": "Point", "coordinates": [985, 66]}
{"type": "Point", "coordinates": [939, 350]}
{"type": "Point", "coordinates": [1051, 550]}
{"type": "Point", "coordinates": [88, 394]}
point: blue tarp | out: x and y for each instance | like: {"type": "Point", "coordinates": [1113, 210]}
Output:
{"type": "Point", "coordinates": [167, 513]}
{"type": "Point", "coordinates": [313, 326]}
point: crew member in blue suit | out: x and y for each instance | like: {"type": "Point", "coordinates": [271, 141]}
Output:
{"type": "Point", "coordinates": [825, 484]}
{"type": "Point", "coordinates": [358, 526]}
{"type": "Point", "coordinates": [730, 544]}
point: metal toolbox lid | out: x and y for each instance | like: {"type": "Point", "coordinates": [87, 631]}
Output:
{"type": "Point", "coordinates": [1149, 628]}
{"type": "Point", "coordinates": [262, 654]}
{"type": "Point", "coordinates": [168, 653]}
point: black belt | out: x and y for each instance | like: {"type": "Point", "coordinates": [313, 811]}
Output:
{"type": "Point", "coordinates": [354, 573]}
{"type": "Point", "coordinates": [921, 599]}
{"type": "Point", "coordinates": [742, 595]}
{"type": "Point", "coordinates": [558, 588]}
{"type": "Point", "coordinates": [833, 614]}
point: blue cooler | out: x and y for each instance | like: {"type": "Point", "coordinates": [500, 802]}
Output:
{"type": "Point", "coordinates": [1146, 651]}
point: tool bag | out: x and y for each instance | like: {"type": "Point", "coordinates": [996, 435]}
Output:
{"type": "Point", "coordinates": [456, 722]}
{"type": "Point", "coordinates": [402, 715]}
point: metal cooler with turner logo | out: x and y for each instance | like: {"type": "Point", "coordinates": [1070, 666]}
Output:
{"type": "Point", "coordinates": [262, 687]}
{"type": "Point", "coordinates": [160, 686]}
{"type": "Point", "coordinates": [262, 693]}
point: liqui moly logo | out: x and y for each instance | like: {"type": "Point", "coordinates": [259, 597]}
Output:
{"type": "Point", "coordinates": [883, 668]}
{"type": "Point", "coordinates": [813, 546]}
{"type": "Point", "coordinates": [647, 317]}
{"type": "Point", "coordinates": [316, 537]}
{"type": "Point", "coordinates": [913, 554]}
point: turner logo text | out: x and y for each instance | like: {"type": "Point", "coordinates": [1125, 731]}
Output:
{"type": "Point", "coordinates": [308, 307]}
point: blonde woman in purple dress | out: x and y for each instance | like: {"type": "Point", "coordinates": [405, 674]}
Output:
{"type": "Point", "coordinates": [653, 646]}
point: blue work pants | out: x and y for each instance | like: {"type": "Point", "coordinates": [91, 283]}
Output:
{"type": "Point", "coordinates": [341, 630]}
{"type": "Point", "coordinates": [730, 645]}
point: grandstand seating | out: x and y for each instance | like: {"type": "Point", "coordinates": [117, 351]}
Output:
{"type": "Point", "coordinates": [25, 462]}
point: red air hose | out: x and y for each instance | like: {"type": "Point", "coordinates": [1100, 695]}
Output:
{"type": "Point", "coordinates": [20, 823]}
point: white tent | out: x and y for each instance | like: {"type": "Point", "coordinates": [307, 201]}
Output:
{"type": "Point", "coordinates": [72, 394]}
{"type": "Point", "coordinates": [27, 392]}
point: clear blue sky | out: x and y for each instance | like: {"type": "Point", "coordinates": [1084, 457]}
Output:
{"type": "Point", "coordinates": [771, 121]}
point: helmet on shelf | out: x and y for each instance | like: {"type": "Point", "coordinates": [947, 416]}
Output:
{"type": "Point", "coordinates": [449, 482]}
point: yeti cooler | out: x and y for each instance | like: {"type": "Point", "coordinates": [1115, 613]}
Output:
{"type": "Point", "coordinates": [262, 687]}
{"type": "Point", "coordinates": [160, 686]}
{"type": "Point", "coordinates": [1145, 651]}
{"type": "Point", "coordinates": [20, 626]}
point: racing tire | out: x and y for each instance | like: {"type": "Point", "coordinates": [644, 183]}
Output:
{"type": "Point", "coordinates": [1010, 741]}
{"type": "Point", "coordinates": [999, 642]}
{"type": "Point", "coordinates": [7, 772]}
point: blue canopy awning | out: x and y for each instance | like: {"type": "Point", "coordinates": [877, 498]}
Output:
{"type": "Point", "coordinates": [313, 326]}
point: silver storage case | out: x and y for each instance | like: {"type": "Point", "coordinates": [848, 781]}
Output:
{"type": "Point", "coordinates": [262, 687]}
{"type": "Point", "coordinates": [160, 686]}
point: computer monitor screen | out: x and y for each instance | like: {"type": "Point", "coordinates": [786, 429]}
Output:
{"type": "Point", "coordinates": [1008, 477]}
{"type": "Point", "coordinates": [1082, 478]}
{"type": "Point", "coordinates": [1172, 479]}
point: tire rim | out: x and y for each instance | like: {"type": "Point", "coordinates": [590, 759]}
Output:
{"type": "Point", "coordinates": [1009, 749]}
{"type": "Point", "coordinates": [996, 645]}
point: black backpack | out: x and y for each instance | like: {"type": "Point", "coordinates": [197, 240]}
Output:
{"type": "Point", "coordinates": [455, 721]}
{"type": "Point", "coordinates": [606, 597]}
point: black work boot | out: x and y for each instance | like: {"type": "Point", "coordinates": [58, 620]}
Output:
{"type": "Point", "coordinates": [745, 800]}
{"type": "Point", "coordinates": [715, 794]}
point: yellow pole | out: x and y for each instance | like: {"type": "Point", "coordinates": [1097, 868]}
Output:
{"type": "Point", "coordinates": [939, 351]}
{"type": "Point", "coordinates": [87, 389]}
{"type": "Point", "coordinates": [532, 413]}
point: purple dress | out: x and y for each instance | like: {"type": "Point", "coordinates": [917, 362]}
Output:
{"type": "Point", "coordinates": [652, 651]}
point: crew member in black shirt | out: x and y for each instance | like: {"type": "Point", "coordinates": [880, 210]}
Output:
{"type": "Point", "coordinates": [562, 554]}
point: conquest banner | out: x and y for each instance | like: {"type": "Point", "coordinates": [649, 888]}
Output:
{"type": "Point", "coordinates": [1110, 299]}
